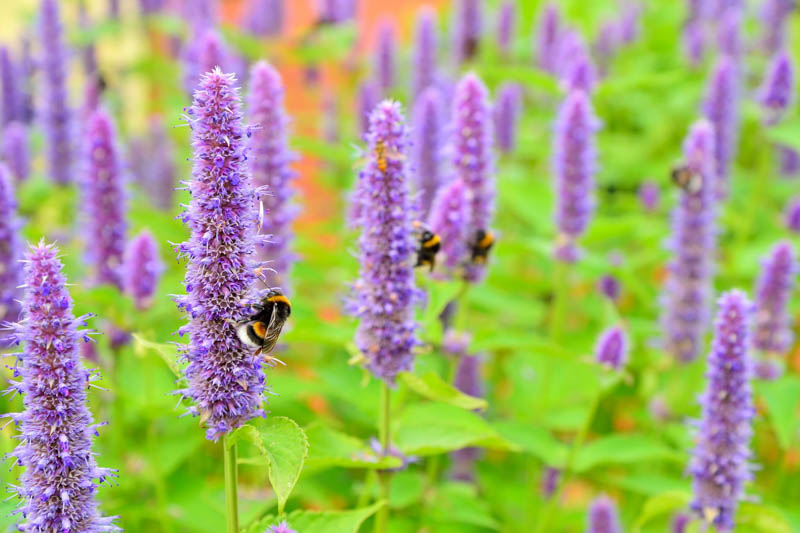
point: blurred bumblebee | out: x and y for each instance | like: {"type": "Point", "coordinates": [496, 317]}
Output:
{"type": "Point", "coordinates": [262, 329]}
{"type": "Point", "coordinates": [687, 179]}
{"type": "Point", "coordinates": [429, 245]}
{"type": "Point", "coordinates": [480, 246]}
{"type": "Point", "coordinates": [382, 153]}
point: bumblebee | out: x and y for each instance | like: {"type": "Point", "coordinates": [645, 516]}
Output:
{"type": "Point", "coordinates": [480, 246]}
{"type": "Point", "coordinates": [687, 179]}
{"type": "Point", "coordinates": [261, 330]}
{"type": "Point", "coordinates": [429, 245]}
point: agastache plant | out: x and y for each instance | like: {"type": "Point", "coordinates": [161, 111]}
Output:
{"type": "Point", "coordinates": [142, 269]}
{"type": "Point", "coordinates": [612, 348]}
{"type": "Point", "coordinates": [385, 291]}
{"type": "Point", "coordinates": [719, 465]}
{"type": "Point", "coordinates": [774, 16]}
{"type": "Point", "coordinates": [428, 122]}
{"type": "Point", "coordinates": [367, 98]}
{"type": "Point", "coordinates": [721, 109]}
{"type": "Point", "coordinates": [8, 84]}
{"type": "Point", "coordinates": [467, 29]}
{"type": "Point", "coordinates": [777, 91]}
{"type": "Point", "coordinates": [473, 160]}
{"type": "Point", "coordinates": [423, 75]}
{"type": "Point", "coordinates": [449, 219]}
{"type": "Point", "coordinates": [574, 168]}
{"type": "Point", "coordinates": [772, 324]}
{"type": "Point", "coordinates": [506, 20]}
{"type": "Point", "coordinates": [103, 186]}
{"type": "Point", "coordinates": [549, 38]}
{"type": "Point", "coordinates": [15, 150]}
{"type": "Point", "coordinates": [56, 115]}
{"type": "Point", "coordinates": [58, 488]}
{"type": "Point", "coordinates": [224, 377]}
{"type": "Point", "coordinates": [792, 215]}
{"type": "Point", "coordinates": [385, 55]}
{"type": "Point", "coordinates": [687, 292]}
{"type": "Point", "coordinates": [507, 110]}
{"type": "Point", "coordinates": [603, 516]}
{"type": "Point", "coordinates": [10, 249]}
{"type": "Point", "coordinates": [265, 18]}
{"type": "Point", "coordinates": [270, 164]}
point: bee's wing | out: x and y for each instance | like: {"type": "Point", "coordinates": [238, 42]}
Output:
{"type": "Point", "coordinates": [273, 332]}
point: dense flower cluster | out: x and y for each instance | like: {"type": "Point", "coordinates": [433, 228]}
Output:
{"type": "Point", "coordinates": [472, 157]}
{"type": "Point", "coordinates": [56, 115]}
{"type": "Point", "coordinates": [507, 110]}
{"type": "Point", "coordinates": [574, 167]}
{"type": "Point", "coordinates": [103, 187]}
{"type": "Point", "coordinates": [265, 18]}
{"type": "Point", "coordinates": [59, 484]}
{"type": "Point", "coordinates": [10, 104]}
{"type": "Point", "coordinates": [142, 269]}
{"type": "Point", "coordinates": [224, 376]}
{"type": "Point", "coordinates": [777, 91]}
{"type": "Point", "coordinates": [423, 74]}
{"type": "Point", "coordinates": [506, 20]}
{"type": "Point", "coordinates": [15, 151]}
{"type": "Point", "coordinates": [467, 29]}
{"type": "Point", "coordinates": [721, 109]}
{"type": "Point", "coordinates": [367, 98]}
{"type": "Point", "coordinates": [603, 516]}
{"type": "Point", "coordinates": [270, 160]}
{"type": "Point", "coordinates": [719, 465]}
{"type": "Point", "coordinates": [687, 292]}
{"type": "Point", "coordinates": [385, 291]}
{"type": "Point", "coordinates": [385, 55]}
{"type": "Point", "coordinates": [10, 249]}
{"type": "Point", "coordinates": [428, 122]}
{"type": "Point", "coordinates": [549, 38]}
{"type": "Point", "coordinates": [772, 328]}
{"type": "Point", "coordinates": [612, 348]}
{"type": "Point", "coordinates": [448, 219]}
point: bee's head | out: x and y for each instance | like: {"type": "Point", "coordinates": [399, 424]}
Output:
{"type": "Point", "coordinates": [276, 296]}
{"type": "Point", "coordinates": [427, 235]}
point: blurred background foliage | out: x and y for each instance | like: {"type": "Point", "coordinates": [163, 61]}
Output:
{"type": "Point", "coordinates": [538, 395]}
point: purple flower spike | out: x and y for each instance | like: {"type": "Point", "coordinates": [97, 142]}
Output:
{"type": "Point", "coordinates": [603, 516]}
{"type": "Point", "coordinates": [59, 484]}
{"type": "Point", "coordinates": [774, 18]}
{"type": "Point", "coordinates": [467, 29]}
{"type": "Point", "coordinates": [574, 168]}
{"type": "Point", "coordinates": [721, 109]}
{"type": "Point", "coordinates": [719, 465]}
{"type": "Point", "coordinates": [612, 348]}
{"type": "Point", "coordinates": [606, 44]}
{"type": "Point", "coordinates": [385, 291]}
{"type": "Point", "coordinates": [610, 287]}
{"type": "Point", "coordinates": [15, 150]}
{"type": "Point", "coordinates": [202, 55]}
{"type": "Point", "coordinates": [649, 195]}
{"type": "Point", "coordinates": [549, 38]}
{"type": "Point", "coordinates": [772, 327]}
{"type": "Point", "coordinates": [793, 215]}
{"type": "Point", "coordinates": [428, 122]}
{"type": "Point", "coordinates": [580, 73]}
{"type": "Point", "coordinates": [789, 160]}
{"type": "Point", "coordinates": [687, 292]}
{"type": "Point", "coordinates": [158, 172]}
{"type": "Point", "coordinates": [10, 249]}
{"type": "Point", "coordinates": [385, 54]}
{"type": "Point", "coordinates": [505, 26]}
{"type": "Point", "coordinates": [449, 219]}
{"type": "Point", "coordinates": [506, 116]}
{"type": "Point", "coordinates": [225, 377]}
{"type": "Point", "coordinates": [680, 523]}
{"type": "Point", "coordinates": [694, 41]}
{"type": "Point", "coordinates": [629, 24]}
{"type": "Point", "coordinates": [26, 70]}
{"type": "Point", "coordinates": [777, 92]}
{"type": "Point", "coordinates": [472, 158]}
{"type": "Point", "coordinates": [8, 83]}
{"type": "Point", "coordinates": [104, 190]}
{"type": "Point", "coordinates": [265, 18]}
{"type": "Point", "coordinates": [283, 527]}
{"type": "Point", "coordinates": [423, 74]}
{"type": "Point", "coordinates": [270, 163]}
{"type": "Point", "coordinates": [729, 33]}
{"type": "Point", "coordinates": [550, 481]}
{"type": "Point", "coordinates": [367, 99]}
{"type": "Point", "coordinates": [56, 115]}
{"type": "Point", "coordinates": [143, 268]}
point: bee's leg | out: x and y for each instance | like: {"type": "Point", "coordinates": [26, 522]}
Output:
{"type": "Point", "coordinates": [269, 359]}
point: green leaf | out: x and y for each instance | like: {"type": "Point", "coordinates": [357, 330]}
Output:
{"type": "Point", "coordinates": [783, 400]}
{"type": "Point", "coordinates": [284, 445]}
{"type": "Point", "coordinates": [625, 449]}
{"type": "Point", "coordinates": [432, 428]}
{"type": "Point", "coordinates": [460, 503]}
{"type": "Point", "coordinates": [661, 505]}
{"type": "Point", "coordinates": [331, 448]}
{"type": "Point", "coordinates": [763, 518]}
{"type": "Point", "coordinates": [534, 440]}
{"type": "Point", "coordinates": [438, 294]}
{"type": "Point", "coordinates": [321, 522]}
{"type": "Point", "coordinates": [433, 387]}
{"type": "Point", "coordinates": [167, 352]}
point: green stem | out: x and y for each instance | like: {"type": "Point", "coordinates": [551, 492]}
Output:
{"type": "Point", "coordinates": [547, 513]}
{"type": "Point", "coordinates": [366, 493]}
{"type": "Point", "coordinates": [384, 422]}
{"type": "Point", "coordinates": [231, 498]}
{"type": "Point", "coordinates": [560, 290]}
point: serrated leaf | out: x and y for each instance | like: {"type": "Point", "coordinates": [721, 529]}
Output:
{"type": "Point", "coordinates": [661, 505]}
{"type": "Point", "coordinates": [433, 387]}
{"type": "Point", "coordinates": [331, 448]}
{"type": "Point", "coordinates": [432, 428]}
{"type": "Point", "coordinates": [625, 449]}
{"type": "Point", "coordinates": [783, 400]}
{"type": "Point", "coordinates": [321, 522]}
{"type": "Point", "coordinates": [167, 352]}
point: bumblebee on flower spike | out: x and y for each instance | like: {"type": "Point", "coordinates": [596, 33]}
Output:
{"type": "Point", "coordinates": [262, 329]}
{"type": "Point", "coordinates": [429, 245]}
{"type": "Point", "coordinates": [480, 246]}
